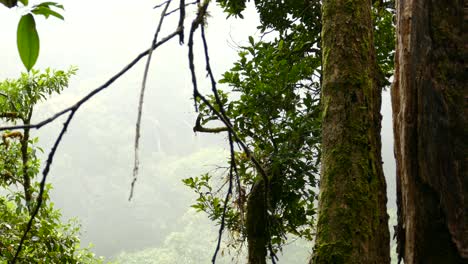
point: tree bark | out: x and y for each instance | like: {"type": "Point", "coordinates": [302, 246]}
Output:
{"type": "Point", "coordinates": [256, 224]}
{"type": "Point", "coordinates": [353, 222]}
{"type": "Point", "coordinates": [429, 119]}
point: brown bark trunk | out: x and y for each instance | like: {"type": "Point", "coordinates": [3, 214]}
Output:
{"type": "Point", "coordinates": [353, 222]}
{"type": "Point", "coordinates": [429, 119]}
{"type": "Point", "coordinates": [256, 224]}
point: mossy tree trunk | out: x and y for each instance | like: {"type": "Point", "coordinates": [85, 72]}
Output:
{"type": "Point", "coordinates": [429, 119]}
{"type": "Point", "coordinates": [256, 224]}
{"type": "Point", "coordinates": [353, 222]}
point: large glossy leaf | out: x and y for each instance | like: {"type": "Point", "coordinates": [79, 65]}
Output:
{"type": "Point", "coordinates": [27, 41]}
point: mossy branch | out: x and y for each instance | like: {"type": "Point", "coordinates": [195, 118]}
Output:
{"type": "Point", "coordinates": [199, 128]}
{"type": "Point", "coordinates": [10, 115]}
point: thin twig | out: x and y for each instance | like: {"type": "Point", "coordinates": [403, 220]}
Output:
{"type": "Point", "coordinates": [182, 6]}
{"type": "Point", "coordinates": [142, 96]}
{"type": "Point", "coordinates": [214, 89]}
{"type": "Point", "coordinates": [257, 164]}
{"type": "Point", "coordinates": [226, 200]}
{"type": "Point", "coordinates": [221, 113]}
{"type": "Point", "coordinates": [197, 95]}
{"type": "Point", "coordinates": [177, 9]}
{"type": "Point", "coordinates": [239, 190]}
{"type": "Point", "coordinates": [194, 26]}
{"type": "Point", "coordinates": [163, 3]}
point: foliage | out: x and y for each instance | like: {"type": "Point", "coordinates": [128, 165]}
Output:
{"type": "Point", "coordinates": [50, 240]}
{"type": "Point", "coordinates": [11, 166]}
{"type": "Point", "coordinates": [26, 36]}
{"type": "Point", "coordinates": [384, 38]}
{"type": "Point", "coordinates": [18, 97]}
{"type": "Point", "coordinates": [278, 14]}
{"type": "Point", "coordinates": [281, 15]}
{"type": "Point", "coordinates": [178, 247]}
{"type": "Point", "coordinates": [273, 107]}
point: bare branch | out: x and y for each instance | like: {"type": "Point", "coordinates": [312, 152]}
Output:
{"type": "Point", "coordinates": [226, 199]}
{"type": "Point", "coordinates": [221, 114]}
{"type": "Point", "coordinates": [12, 115]}
{"type": "Point", "coordinates": [181, 9]}
{"type": "Point", "coordinates": [142, 96]}
{"type": "Point", "coordinates": [95, 91]}
{"type": "Point", "coordinates": [163, 3]}
{"type": "Point", "coordinates": [181, 21]}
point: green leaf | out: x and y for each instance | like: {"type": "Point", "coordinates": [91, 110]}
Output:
{"type": "Point", "coordinates": [24, 2]}
{"type": "Point", "coordinates": [46, 12]}
{"type": "Point", "coordinates": [251, 40]}
{"type": "Point", "coordinates": [280, 44]}
{"type": "Point", "coordinates": [47, 4]}
{"type": "Point", "coordinates": [8, 3]}
{"type": "Point", "coordinates": [27, 41]}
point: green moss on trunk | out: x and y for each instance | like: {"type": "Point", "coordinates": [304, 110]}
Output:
{"type": "Point", "coordinates": [353, 223]}
{"type": "Point", "coordinates": [256, 223]}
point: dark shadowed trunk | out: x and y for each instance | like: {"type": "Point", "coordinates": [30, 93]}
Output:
{"type": "Point", "coordinates": [353, 221]}
{"type": "Point", "coordinates": [256, 224]}
{"type": "Point", "coordinates": [429, 112]}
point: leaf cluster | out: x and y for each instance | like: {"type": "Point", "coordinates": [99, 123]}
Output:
{"type": "Point", "coordinates": [11, 166]}
{"type": "Point", "coordinates": [18, 96]}
{"type": "Point", "coordinates": [279, 15]}
{"type": "Point", "coordinates": [305, 17]}
{"type": "Point", "coordinates": [273, 105]}
{"type": "Point", "coordinates": [383, 15]}
{"type": "Point", "coordinates": [49, 240]}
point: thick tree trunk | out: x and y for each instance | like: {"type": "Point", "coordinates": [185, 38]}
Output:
{"type": "Point", "coordinates": [429, 119]}
{"type": "Point", "coordinates": [353, 222]}
{"type": "Point", "coordinates": [256, 223]}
